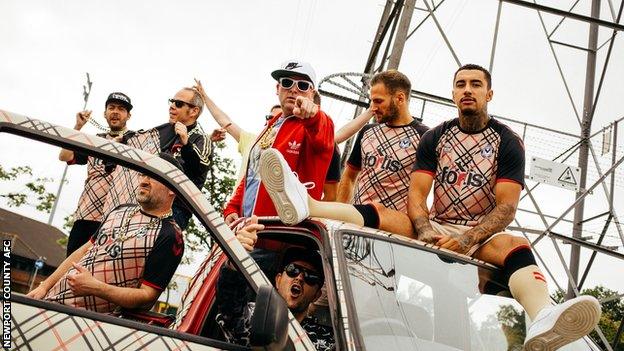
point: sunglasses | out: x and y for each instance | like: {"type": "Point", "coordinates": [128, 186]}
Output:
{"type": "Point", "coordinates": [180, 103]}
{"type": "Point", "coordinates": [310, 277]}
{"type": "Point", "coordinates": [302, 85]}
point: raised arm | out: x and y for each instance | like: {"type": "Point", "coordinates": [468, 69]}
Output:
{"type": "Point", "coordinates": [222, 119]}
{"type": "Point", "coordinates": [420, 186]}
{"type": "Point", "coordinates": [354, 126]}
{"type": "Point", "coordinates": [81, 119]}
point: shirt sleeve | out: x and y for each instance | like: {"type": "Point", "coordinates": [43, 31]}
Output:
{"type": "Point", "coordinates": [196, 152]}
{"type": "Point", "coordinates": [355, 158]}
{"type": "Point", "coordinates": [511, 159]}
{"type": "Point", "coordinates": [79, 159]}
{"type": "Point", "coordinates": [426, 157]}
{"type": "Point", "coordinates": [163, 260]}
{"type": "Point", "coordinates": [245, 140]}
{"type": "Point", "coordinates": [333, 173]}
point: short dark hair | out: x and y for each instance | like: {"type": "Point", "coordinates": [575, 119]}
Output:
{"type": "Point", "coordinates": [472, 66]}
{"type": "Point", "coordinates": [393, 80]}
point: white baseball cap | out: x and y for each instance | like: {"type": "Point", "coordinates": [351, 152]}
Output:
{"type": "Point", "coordinates": [295, 67]}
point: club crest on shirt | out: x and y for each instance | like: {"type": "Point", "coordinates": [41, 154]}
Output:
{"type": "Point", "coordinates": [487, 151]}
{"type": "Point", "coordinates": [405, 143]}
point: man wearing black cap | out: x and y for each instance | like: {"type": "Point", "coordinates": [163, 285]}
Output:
{"type": "Point", "coordinates": [128, 262]}
{"type": "Point", "coordinates": [299, 282]}
{"type": "Point", "coordinates": [88, 215]}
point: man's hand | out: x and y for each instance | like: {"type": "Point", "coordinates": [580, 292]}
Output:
{"type": "Point", "coordinates": [81, 119]}
{"type": "Point", "coordinates": [429, 236]}
{"type": "Point", "coordinates": [247, 235]}
{"type": "Point", "coordinates": [182, 131]}
{"type": "Point", "coordinates": [38, 292]}
{"type": "Point", "coordinates": [304, 108]}
{"type": "Point", "coordinates": [200, 89]}
{"type": "Point", "coordinates": [460, 244]}
{"type": "Point", "coordinates": [218, 135]}
{"type": "Point", "coordinates": [231, 218]}
{"type": "Point", "coordinates": [82, 282]}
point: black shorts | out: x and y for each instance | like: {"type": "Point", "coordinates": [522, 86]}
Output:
{"type": "Point", "coordinates": [80, 233]}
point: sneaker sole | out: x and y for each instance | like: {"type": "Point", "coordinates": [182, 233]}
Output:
{"type": "Point", "coordinates": [272, 175]}
{"type": "Point", "coordinates": [575, 322]}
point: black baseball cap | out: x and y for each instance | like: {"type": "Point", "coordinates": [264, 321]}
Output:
{"type": "Point", "coordinates": [311, 256]}
{"type": "Point", "coordinates": [120, 98]}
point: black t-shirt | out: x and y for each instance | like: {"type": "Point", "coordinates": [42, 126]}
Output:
{"type": "Point", "coordinates": [333, 173]}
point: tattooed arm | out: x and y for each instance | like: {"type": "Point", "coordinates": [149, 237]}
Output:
{"type": "Point", "coordinates": [420, 185]}
{"type": "Point", "coordinates": [507, 197]}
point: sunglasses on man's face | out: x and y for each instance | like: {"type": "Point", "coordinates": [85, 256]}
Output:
{"type": "Point", "coordinates": [310, 277]}
{"type": "Point", "coordinates": [180, 103]}
{"type": "Point", "coordinates": [302, 85]}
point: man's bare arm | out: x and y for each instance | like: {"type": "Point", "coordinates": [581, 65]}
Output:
{"type": "Point", "coordinates": [81, 119]}
{"type": "Point", "coordinates": [222, 119]}
{"type": "Point", "coordinates": [354, 126]}
{"type": "Point", "coordinates": [346, 185]}
{"type": "Point", "coordinates": [141, 297]}
{"type": "Point", "coordinates": [507, 197]}
{"type": "Point", "coordinates": [49, 282]}
{"type": "Point", "coordinates": [420, 186]}
{"type": "Point", "coordinates": [83, 283]}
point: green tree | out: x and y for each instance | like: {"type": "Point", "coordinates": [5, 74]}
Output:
{"type": "Point", "coordinates": [218, 187]}
{"type": "Point", "coordinates": [33, 188]}
{"type": "Point", "coordinates": [612, 313]}
{"type": "Point", "coordinates": [513, 324]}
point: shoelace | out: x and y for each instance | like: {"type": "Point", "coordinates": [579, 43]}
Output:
{"type": "Point", "coordinates": [307, 185]}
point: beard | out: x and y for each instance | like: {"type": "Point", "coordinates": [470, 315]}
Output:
{"type": "Point", "coordinates": [470, 112]}
{"type": "Point", "coordinates": [391, 115]}
{"type": "Point", "coordinates": [147, 200]}
{"type": "Point", "coordinates": [143, 199]}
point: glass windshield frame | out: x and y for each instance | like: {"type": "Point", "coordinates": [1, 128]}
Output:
{"type": "Point", "coordinates": [352, 314]}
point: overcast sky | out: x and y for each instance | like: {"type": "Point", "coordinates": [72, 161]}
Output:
{"type": "Point", "coordinates": [150, 49]}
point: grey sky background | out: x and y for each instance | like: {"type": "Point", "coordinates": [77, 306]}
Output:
{"type": "Point", "coordinates": [150, 49]}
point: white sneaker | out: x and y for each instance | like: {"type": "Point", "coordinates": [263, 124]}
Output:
{"type": "Point", "coordinates": [559, 325]}
{"type": "Point", "coordinates": [289, 196]}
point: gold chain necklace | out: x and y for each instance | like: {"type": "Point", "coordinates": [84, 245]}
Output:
{"type": "Point", "coordinates": [267, 138]}
{"type": "Point", "coordinates": [152, 224]}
